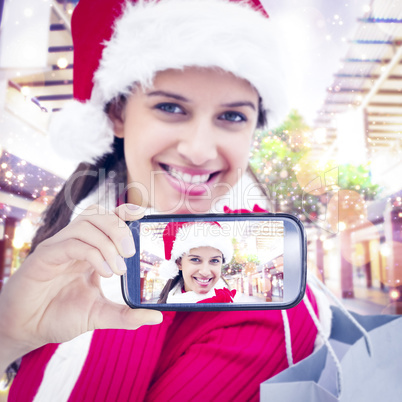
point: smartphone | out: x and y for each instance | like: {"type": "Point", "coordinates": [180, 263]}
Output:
{"type": "Point", "coordinates": [251, 261]}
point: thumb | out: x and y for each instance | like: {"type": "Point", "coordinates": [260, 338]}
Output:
{"type": "Point", "coordinates": [111, 315]}
{"type": "Point", "coordinates": [129, 212]}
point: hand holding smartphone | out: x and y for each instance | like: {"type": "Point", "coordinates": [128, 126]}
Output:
{"type": "Point", "coordinates": [216, 262]}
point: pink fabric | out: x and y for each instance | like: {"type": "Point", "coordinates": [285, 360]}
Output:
{"type": "Point", "coordinates": [221, 296]}
{"type": "Point", "coordinates": [196, 355]}
{"type": "Point", "coordinates": [31, 373]}
{"type": "Point", "coordinates": [256, 208]}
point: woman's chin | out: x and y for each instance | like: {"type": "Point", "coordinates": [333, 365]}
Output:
{"type": "Point", "coordinates": [203, 292]}
{"type": "Point", "coordinates": [187, 207]}
{"type": "Point", "coordinates": [170, 202]}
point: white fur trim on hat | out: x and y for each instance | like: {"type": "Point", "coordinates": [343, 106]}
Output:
{"type": "Point", "coordinates": [173, 34]}
{"type": "Point", "coordinates": [193, 236]}
{"type": "Point", "coordinates": [153, 36]}
{"type": "Point", "coordinates": [202, 235]}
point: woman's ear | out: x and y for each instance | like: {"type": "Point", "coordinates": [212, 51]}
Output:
{"type": "Point", "coordinates": [178, 263]}
{"type": "Point", "coordinates": [115, 113]}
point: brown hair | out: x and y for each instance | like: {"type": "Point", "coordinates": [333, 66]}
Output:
{"type": "Point", "coordinates": [171, 284]}
{"type": "Point", "coordinates": [84, 179]}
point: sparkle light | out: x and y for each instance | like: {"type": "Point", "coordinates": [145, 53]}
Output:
{"type": "Point", "coordinates": [28, 12]}
{"type": "Point", "coordinates": [26, 91]}
{"type": "Point", "coordinates": [62, 63]}
{"type": "Point", "coordinates": [385, 250]}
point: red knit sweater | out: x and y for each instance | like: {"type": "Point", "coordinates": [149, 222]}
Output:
{"type": "Point", "coordinates": [190, 356]}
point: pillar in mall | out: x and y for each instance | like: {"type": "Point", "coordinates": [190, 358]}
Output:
{"type": "Point", "coordinates": [6, 249]}
{"type": "Point", "coordinates": [393, 244]}
{"type": "Point", "coordinates": [346, 265]}
{"type": "Point", "coordinates": [320, 259]}
{"type": "Point", "coordinates": [366, 267]}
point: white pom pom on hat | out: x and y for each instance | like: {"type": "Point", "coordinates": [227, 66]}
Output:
{"type": "Point", "coordinates": [91, 122]}
{"type": "Point", "coordinates": [119, 42]}
{"type": "Point", "coordinates": [180, 237]}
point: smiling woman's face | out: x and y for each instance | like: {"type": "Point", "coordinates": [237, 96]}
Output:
{"type": "Point", "coordinates": [201, 269]}
{"type": "Point", "coordinates": [187, 139]}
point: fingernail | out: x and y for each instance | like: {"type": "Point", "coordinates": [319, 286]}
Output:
{"type": "Point", "coordinates": [133, 207]}
{"type": "Point", "coordinates": [160, 319]}
{"type": "Point", "coordinates": [128, 245]}
{"type": "Point", "coordinates": [152, 323]}
{"type": "Point", "coordinates": [106, 268]}
{"type": "Point", "coordinates": [121, 265]}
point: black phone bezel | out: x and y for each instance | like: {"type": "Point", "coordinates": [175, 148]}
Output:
{"type": "Point", "coordinates": [130, 281]}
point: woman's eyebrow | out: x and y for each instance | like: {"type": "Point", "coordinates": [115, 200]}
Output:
{"type": "Point", "coordinates": [240, 104]}
{"type": "Point", "coordinates": [169, 95]}
{"type": "Point", "coordinates": [195, 255]}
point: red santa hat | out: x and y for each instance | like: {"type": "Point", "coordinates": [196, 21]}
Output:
{"type": "Point", "coordinates": [120, 42]}
{"type": "Point", "coordinates": [180, 237]}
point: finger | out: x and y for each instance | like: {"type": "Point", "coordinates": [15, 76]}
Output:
{"type": "Point", "coordinates": [112, 225]}
{"type": "Point", "coordinates": [118, 316]}
{"type": "Point", "coordinates": [112, 248]}
{"type": "Point", "coordinates": [129, 212]}
{"type": "Point", "coordinates": [68, 251]}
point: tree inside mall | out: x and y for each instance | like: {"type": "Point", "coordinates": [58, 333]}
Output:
{"type": "Point", "coordinates": [297, 180]}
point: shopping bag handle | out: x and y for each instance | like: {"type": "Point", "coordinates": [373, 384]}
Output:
{"type": "Point", "coordinates": [321, 331]}
{"type": "Point", "coordinates": [339, 304]}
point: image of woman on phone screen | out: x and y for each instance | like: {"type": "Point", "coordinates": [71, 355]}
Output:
{"type": "Point", "coordinates": [195, 253]}
{"type": "Point", "coordinates": [167, 97]}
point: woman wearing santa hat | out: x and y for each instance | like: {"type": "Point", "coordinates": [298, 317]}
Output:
{"type": "Point", "coordinates": [195, 253]}
{"type": "Point", "coordinates": [168, 95]}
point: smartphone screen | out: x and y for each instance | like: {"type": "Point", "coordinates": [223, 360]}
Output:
{"type": "Point", "coordinates": [216, 262]}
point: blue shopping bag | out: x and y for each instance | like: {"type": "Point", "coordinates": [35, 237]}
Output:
{"type": "Point", "coordinates": [364, 372]}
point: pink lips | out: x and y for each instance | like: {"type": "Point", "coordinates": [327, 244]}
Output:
{"type": "Point", "coordinates": [206, 284]}
{"type": "Point", "coordinates": [192, 189]}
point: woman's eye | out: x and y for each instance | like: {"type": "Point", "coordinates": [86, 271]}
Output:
{"type": "Point", "coordinates": [195, 260]}
{"type": "Point", "coordinates": [170, 108]}
{"type": "Point", "coordinates": [233, 117]}
{"type": "Point", "coordinates": [215, 261]}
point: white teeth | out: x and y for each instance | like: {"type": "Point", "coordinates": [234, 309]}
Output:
{"type": "Point", "coordinates": [175, 174]}
{"type": "Point", "coordinates": [188, 178]}
{"type": "Point", "coordinates": [202, 280]}
{"type": "Point", "coordinates": [196, 178]}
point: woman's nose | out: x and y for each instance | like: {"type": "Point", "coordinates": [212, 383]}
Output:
{"type": "Point", "coordinates": [204, 269]}
{"type": "Point", "coordinates": [199, 143]}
